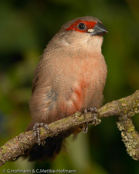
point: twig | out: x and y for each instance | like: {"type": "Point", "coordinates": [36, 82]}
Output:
{"type": "Point", "coordinates": [123, 108]}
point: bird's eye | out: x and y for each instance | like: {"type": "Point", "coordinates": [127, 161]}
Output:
{"type": "Point", "coordinates": [81, 26]}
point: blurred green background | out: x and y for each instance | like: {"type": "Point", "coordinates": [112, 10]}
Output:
{"type": "Point", "coordinates": [25, 29]}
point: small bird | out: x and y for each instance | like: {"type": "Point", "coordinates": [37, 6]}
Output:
{"type": "Point", "coordinates": [69, 77]}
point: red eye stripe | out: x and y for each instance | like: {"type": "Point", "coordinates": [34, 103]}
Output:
{"type": "Point", "coordinates": [89, 25]}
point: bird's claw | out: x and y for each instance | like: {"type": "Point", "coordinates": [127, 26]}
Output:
{"type": "Point", "coordinates": [36, 130]}
{"type": "Point", "coordinates": [95, 121]}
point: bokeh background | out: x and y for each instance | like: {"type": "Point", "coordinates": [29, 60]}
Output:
{"type": "Point", "coordinates": [25, 29]}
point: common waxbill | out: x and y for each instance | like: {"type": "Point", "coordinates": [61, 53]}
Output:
{"type": "Point", "coordinates": [69, 77]}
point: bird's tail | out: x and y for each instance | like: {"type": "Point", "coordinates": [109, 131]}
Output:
{"type": "Point", "coordinates": [51, 148]}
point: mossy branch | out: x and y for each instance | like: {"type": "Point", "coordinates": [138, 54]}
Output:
{"type": "Point", "coordinates": [123, 108]}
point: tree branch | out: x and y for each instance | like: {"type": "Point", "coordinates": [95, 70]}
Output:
{"type": "Point", "coordinates": [123, 108]}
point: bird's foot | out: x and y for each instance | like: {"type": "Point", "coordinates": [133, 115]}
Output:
{"type": "Point", "coordinates": [95, 121]}
{"type": "Point", "coordinates": [36, 130]}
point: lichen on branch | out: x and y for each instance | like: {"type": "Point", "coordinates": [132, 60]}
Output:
{"type": "Point", "coordinates": [123, 109]}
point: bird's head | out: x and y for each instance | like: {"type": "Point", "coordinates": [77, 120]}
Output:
{"type": "Point", "coordinates": [80, 32]}
{"type": "Point", "coordinates": [87, 24]}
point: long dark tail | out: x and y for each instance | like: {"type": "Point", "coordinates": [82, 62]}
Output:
{"type": "Point", "coordinates": [51, 148]}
